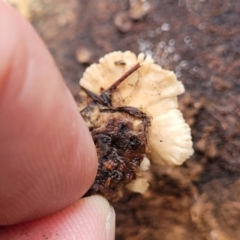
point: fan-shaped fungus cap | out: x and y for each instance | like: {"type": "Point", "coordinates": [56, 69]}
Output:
{"type": "Point", "coordinates": [154, 91]}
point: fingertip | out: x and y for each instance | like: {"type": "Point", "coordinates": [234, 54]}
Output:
{"type": "Point", "coordinates": [88, 219]}
{"type": "Point", "coordinates": [47, 156]}
{"type": "Point", "coordinates": [99, 206]}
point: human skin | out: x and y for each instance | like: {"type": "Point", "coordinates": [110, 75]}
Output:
{"type": "Point", "coordinates": [47, 157]}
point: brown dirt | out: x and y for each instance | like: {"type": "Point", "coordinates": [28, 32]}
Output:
{"type": "Point", "coordinates": [201, 199]}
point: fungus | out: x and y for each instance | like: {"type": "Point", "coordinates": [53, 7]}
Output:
{"type": "Point", "coordinates": [134, 119]}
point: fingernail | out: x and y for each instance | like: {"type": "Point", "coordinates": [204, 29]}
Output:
{"type": "Point", "coordinates": [110, 225]}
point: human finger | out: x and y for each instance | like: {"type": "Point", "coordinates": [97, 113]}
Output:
{"type": "Point", "coordinates": [47, 156]}
{"type": "Point", "coordinates": [90, 218]}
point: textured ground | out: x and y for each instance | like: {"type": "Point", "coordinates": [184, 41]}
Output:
{"type": "Point", "coordinates": [200, 200]}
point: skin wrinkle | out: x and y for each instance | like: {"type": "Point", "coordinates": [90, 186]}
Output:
{"type": "Point", "coordinates": [98, 221]}
{"type": "Point", "coordinates": [6, 54]}
{"type": "Point", "coordinates": [16, 61]}
{"type": "Point", "coordinates": [72, 229]}
{"type": "Point", "coordinates": [3, 77]}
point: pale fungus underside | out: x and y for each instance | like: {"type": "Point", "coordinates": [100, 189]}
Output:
{"type": "Point", "coordinates": [133, 117]}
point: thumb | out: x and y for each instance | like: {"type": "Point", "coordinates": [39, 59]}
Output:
{"type": "Point", "coordinates": [90, 218]}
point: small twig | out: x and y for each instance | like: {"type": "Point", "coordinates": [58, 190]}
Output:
{"type": "Point", "coordinates": [105, 97]}
{"type": "Point", "coordinates": [93, 96]}
{"type": "Point", "coordinates": [122, 78]}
